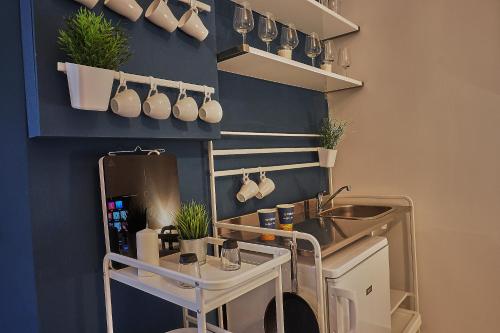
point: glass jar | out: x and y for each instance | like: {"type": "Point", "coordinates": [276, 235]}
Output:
{"type": "Point", "coordinates": [188, 264]}
{"type": "Point", "coordinates": [230, 255]}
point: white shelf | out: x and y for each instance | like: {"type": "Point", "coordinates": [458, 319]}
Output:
{"type": "Point", "coordinates": [248, 61]}
{"type": "Point", "coordinates": [405, 321]}
{"type": "Point", "coordinates": [397, 297]}
{"type": "Point", "coordinates": [307, 15]}
{"type": "Point", "coordinates": [169, 290]}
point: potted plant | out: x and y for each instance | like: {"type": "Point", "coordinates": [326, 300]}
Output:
{"type": "Point", "coordinates": [96, 48]}
{"type": "Point", "coordinates": [191, 222]}
{"type": "Point", "coordinates": [331, 132]}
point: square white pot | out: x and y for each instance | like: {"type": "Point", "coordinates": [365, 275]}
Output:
{"type": "Point", "coordinates": [327, 157]}
{"type": "Point", "coordinates": [89, 87]}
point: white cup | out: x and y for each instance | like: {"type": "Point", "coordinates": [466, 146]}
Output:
{"type": "Point", "coordinates": [128, 8]}
{"type": "Point", "coordinates": [126, 103]}
{"type": "Point", "coordinates": [157, 105]}
{"type": "Point", "coordinates": [191, 24]}
{"type": "Point", "coordinates": [285, 53]}
{"type": "Point", "coordinates": [159, 13]}
{"type": "Point", "coordinates": [326, 66]}
{"type": "Point", "coordinates": [88, 3]}
{"type": "Point", "coordinates": [248, 190]}
{"type": "Point", "coordinates": [266, 186]}
{"type": "Point", "coordinates": [186, 108]}
{"type": "Point", "coordinates": [211, 110]}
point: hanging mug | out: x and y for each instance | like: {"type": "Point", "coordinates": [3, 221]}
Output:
{"type": "Point", "coordinates": [126, 102]}
{"type": "Point", "coordinates": [128, 8]}
{"type": "Point", "coordinates": [186, 108]}
{"type": "Point", "coordinates": [248, 190]}
{"type": "Point", "coordinates": [159, 13]}
{"type": "Point", "coordinates": [192, 25]}
{"type": "Point", "coordinates": [266, 186]}
{"type": "Point", "coordinates": [157, 105]}
{"type": "Point", "coordinates": [211, 110]}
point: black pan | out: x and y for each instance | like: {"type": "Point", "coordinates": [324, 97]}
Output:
{"type": "Point", "coordinates": [299, 316]}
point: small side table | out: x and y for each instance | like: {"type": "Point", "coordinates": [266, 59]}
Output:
{"type": "Point", "coordinates": [214, 289]}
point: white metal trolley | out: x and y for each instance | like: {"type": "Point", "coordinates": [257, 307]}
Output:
{"type": "Point", "coordinates": [214, 289]}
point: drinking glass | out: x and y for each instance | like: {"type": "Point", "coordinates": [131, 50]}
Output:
{"type": "Point", "coordinates": [267, 29]}
{"type": "Point", "coordinates": [313, 46]}
{"type": "Point", "coordinates": [289, 38]}
{"type": "Point", "coordinates": [345, 58]}
{"type": "Point", "coordinates": [329, 51]}
{"type": "Point", "coordinates": [334, 5]}
{"type": "Point", "coordinates": [243, 20]}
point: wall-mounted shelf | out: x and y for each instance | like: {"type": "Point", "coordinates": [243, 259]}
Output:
{"type": "Point", "coordinates": [249, 61]}
{"type": "Point", "coordinates": [307, 15]}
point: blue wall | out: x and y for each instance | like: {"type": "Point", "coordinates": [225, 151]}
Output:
{"type": "Point", "coordinates": [52, 232]}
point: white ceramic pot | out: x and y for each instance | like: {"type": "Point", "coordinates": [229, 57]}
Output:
{"type": "Point", "coordinates": [327, 157]}
{"type": "Point", "coordinates": [89, 87]}
{"type": "Point", "coordinates": [197, 246]}
{"type": "Point", "coordinates": [128, 8]}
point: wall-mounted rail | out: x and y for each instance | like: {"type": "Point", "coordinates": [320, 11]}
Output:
{"type": "Point", "coordinates": [61, 67]}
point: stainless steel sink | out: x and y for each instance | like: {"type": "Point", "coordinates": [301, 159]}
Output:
{"type": "Point", "coordinates": [357, 212]}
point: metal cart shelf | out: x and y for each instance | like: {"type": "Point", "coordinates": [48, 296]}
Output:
{"type": "Point", "coordinates": [214, 289]}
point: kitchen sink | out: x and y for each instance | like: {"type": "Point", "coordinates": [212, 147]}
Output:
{"type": "Point", "coordinates": [357, 212]}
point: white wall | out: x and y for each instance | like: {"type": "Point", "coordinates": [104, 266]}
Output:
{"type": "Point", "coordinates": [427, 124]}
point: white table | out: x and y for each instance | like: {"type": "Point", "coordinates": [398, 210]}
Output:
{"type": "Point", "coordinates": [214, 289]}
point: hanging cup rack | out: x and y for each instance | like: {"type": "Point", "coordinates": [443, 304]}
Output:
{"type": "Point", "coordinates": [198, 4]}
{"type": "Point", "coordinates": [61, 67]}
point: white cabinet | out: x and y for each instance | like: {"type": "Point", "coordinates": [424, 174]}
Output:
{"type": "Point", "coordinates": [358, 288]}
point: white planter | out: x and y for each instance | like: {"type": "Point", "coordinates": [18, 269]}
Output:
{"type": "Point", "coordinates": [89, 87]}
{"type": "Point", "coordinates": [197, 246]}
{"type": "Point", "coordinates": [327, 157]}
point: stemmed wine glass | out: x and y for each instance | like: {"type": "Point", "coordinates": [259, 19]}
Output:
{"type": "Point", "coordinates": [267, 29]}
{"type": "Point", "coordinates": [243, 20]}
{"type": "Point", "coordinates": [289, 38]}
{"type": "Point", "coordinates": [345, 58]}
{"type": "Point", "coordinates": [313, 46]}
{"type": "Point", "coordinates": [328, 53]}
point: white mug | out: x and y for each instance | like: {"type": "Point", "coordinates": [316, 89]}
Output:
{"type": "Point", "coordinates": [159, 13]}
{"type": "Point", "coordinates": [126, 103]}
{"type": "Point", "coordinates": [186, 108]}
{"type": "Point", "coordinates": [157, 105]}
{"type": "Point", "coordinates": [285, 53]}
{"type": "Point", "coordinates": [266, 186]}
{"type": "Point", "coordinates": [211, 110]}
{"type": "Point", "coordinates": [128, 8]}
{"type": "Point", "coordinates": [191, 24]}
{"type": "Point", "coordinates": [88, 3]}
{"type": "Point", "coordinates": [248, 190]}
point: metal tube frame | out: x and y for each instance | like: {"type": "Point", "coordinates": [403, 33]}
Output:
{"type": "Point", "coordinates": [320, 293]}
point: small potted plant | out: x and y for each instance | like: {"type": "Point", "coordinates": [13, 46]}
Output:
{"type": "Point", "coordinates": [191, 222]}
{"type": "Point", "coordinates": [96, 48]}
{"type": "Point", "coordinates": [331, 133]}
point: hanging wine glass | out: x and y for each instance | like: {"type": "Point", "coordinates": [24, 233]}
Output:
{"type": "Point", "coordinates": [313, 46]}
{"type": "Point", "coordinates": [267, 29]}
{"type": "Point", "coordinates": [345, 58]}
{"type": "Point", "coordinates": [243, 20]}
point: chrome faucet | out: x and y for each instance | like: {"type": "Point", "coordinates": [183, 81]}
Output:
{"type": "Point", "coordinates": [321, 204]}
